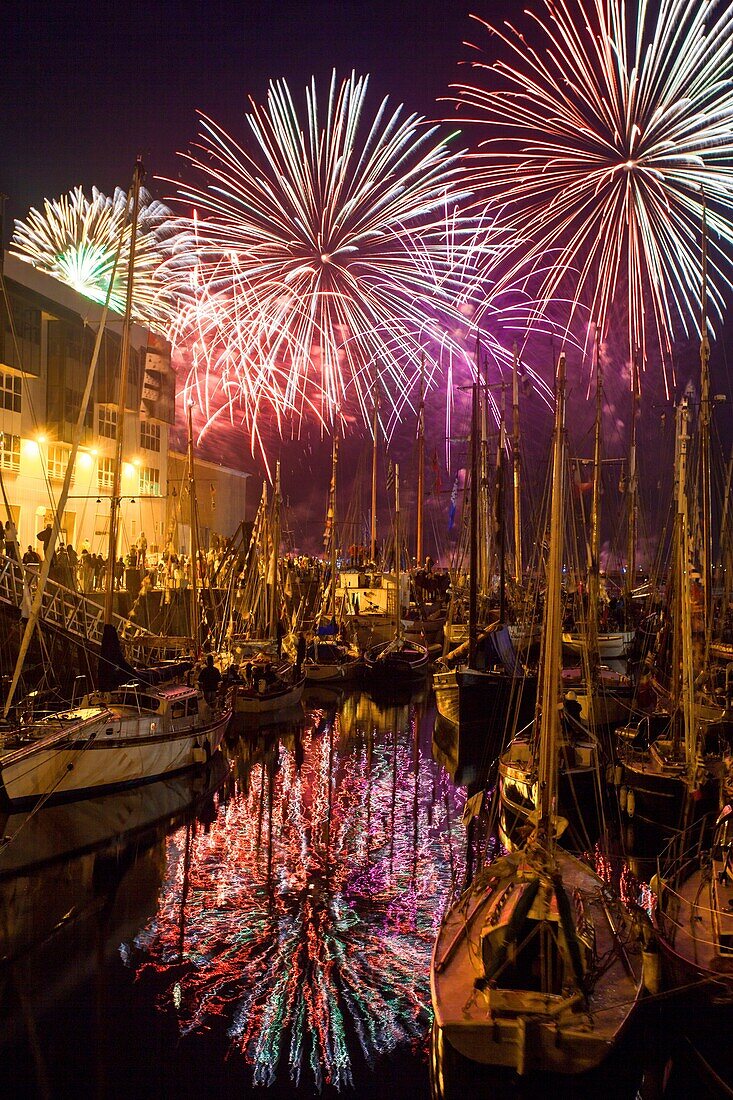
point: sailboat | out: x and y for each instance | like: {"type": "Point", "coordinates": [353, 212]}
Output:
{"type": "Point", "coordinates": [400, 662]}
{"type": "Point", "coordinates": [605, 694]}
{"type": "Point", "coordinates": [537, 966]}
{"type": "Point", "coordinates": [131, 730]}
{"type": "Point", "coordinates": [329, 658]}
{"type": "Point", "coordinates": [480, 683]}
{"type": "Point", "coordinates": [271, 684]}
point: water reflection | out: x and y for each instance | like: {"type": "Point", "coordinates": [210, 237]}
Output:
{"type": "Point", "coordinates": [305, 917]}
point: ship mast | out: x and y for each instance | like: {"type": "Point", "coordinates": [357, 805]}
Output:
{"type": "Point", "coordinates": [632, 490]}
{"type": "Point", "coordinates": [594, 565]}
{"type": "Point", "coordinates": [115, 500]}
{"type": "Point", "coordinates": [332, 518]}
{"type": "Point", "coordinates": [518, 570]}
{"type": "Point", "coordinates": [419, 552]}
{"type": "Point", "coordinates": [375, 431]}
{"type": "Point", "coordinates": [549, 695]}
{"type": "Point", "coordinates": [705, 477]}
{"type": "Point", "coordinates": [473, 529]}
{"type": "Point", "coordinates": [195, 632]}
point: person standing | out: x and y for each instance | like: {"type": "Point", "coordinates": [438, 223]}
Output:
{"type": "Point", "coordinates": [44, 537]}
{"type": "Point", "coordinates": [209, 680]}
{"type": "Point", "coordinates": [11, 541]}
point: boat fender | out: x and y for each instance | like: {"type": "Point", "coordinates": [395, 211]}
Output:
{"type": "Point", "coordinates": [631, 803]}
{"type": "Point", "coordinates": [618, 775]}
{"type": "Point", "coordinates": [656, 885]}
{"type": "Point", "coordinates": [651, 970]}
{"type": "Point", "coordinates": [622, 798]}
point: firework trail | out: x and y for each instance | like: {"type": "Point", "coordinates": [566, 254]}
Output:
{"type": "Point", "coordinates": [311, 907]}
{"type": "Point", "coordinates": [600, 132]}
{"type": "Point", "coordinates": [75, 240]}
{"type": "Point", "coordinates": [331, 246]}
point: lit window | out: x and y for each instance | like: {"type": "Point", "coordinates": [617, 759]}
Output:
{"type": "Point", "coordinates": [105, 473]}
{"type": "Point", "coordinates": [10, 452]}
{"type": "Point", "coordinates": [107, 422]}
{"type": "Point", "coordinates": [58, 460]}
{"type": "Point", "coordinates": [149, 481]}
{"type": "Point", "coordinates": [10, 392]}
{"type": "Point", "coordinates": [150, 436]}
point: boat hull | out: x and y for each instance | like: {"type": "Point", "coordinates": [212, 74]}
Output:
{"type": "Point", "coordinates": [92, 760]}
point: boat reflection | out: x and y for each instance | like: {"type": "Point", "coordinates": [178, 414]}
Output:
{"type": "Point", "coordinates": [312, 902]}
{"type": "Point", "coordinates": [76, 880]}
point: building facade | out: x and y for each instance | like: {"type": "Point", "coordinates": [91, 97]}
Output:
{"type": "Point", "coordinates": [46, 346]}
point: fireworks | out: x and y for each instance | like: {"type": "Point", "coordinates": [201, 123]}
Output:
{"type": "Point", "coordinates": [76, 239]}
{"type": "Point", "coordinates": [305, 916]}
{"type": "Point", "coordinates": [334, 246]}
{"type": "Point", "coordinates": [599, 141]}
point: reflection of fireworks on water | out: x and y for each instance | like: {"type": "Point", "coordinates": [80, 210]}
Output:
{"type": "Point", "coordinates": [599, 142]}
{"type": "Point", "coordinates": [75, 240]}
{"type": "Point", "coordinates": [311, 908]}
{"type": "Point", "coordinates": [335, 245]}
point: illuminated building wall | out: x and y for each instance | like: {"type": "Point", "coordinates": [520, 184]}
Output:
{"type": "Point", "coordinates": [42, 379]}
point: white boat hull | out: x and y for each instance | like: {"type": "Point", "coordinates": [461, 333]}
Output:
{"type": "Point", "coordinates": [106, 751]}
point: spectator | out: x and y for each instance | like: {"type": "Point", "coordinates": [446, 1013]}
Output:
{"type": "Point", "coordinates": [11, 541]}
{"type": "Point", "coordinates": [209, 680]}
{"type": "Point", "coordinates": [44, 538]}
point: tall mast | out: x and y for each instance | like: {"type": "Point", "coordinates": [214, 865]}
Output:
{"type": "Point", "coordinates": [499, 508]}
{"type": "Point", "coordinates": [705, 490]}
{"type": "Point", "coordinates": [595, 521]}
{"type": "Point", "coordinates": [275, 563]}
{"type": "Point", "coordinates": [332, 518]}
{"type": "Point", "coordinates": [375, 431]}
{"type": "Point", "coordinates": [632, 490]}
{"type": "Point", "coordinates": [195, 632]}
{"type": "Point", "coordinates": [551, 633]}
{"type": "Point", "coordinates": [420, 466]}
{"type": "Point", "coordinates": [398, 549]}
{"type": "Point", "coordinates": [518, 570]}
{"type": "Point", "coordinates": [473, 530]}
{"type": "Point", "coordinates": [114, 504]}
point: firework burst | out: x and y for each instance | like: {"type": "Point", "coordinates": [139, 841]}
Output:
{"type": "Point", "coordinates": [76, 239]}
{"type": "Point", "coordinates": [601, 140]}
{"type": "Point", "coordinates": [330, 246]}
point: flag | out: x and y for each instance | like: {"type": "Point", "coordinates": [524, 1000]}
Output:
{"type": "Point", "coordinates": [390, 477]}
{"type": "Point", "coordinates": [435, 467]}
{"type": "Point", "coordinates": [453, 504]}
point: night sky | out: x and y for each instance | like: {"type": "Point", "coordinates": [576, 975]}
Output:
{"type": "Point", "coordinates": [85, 87]}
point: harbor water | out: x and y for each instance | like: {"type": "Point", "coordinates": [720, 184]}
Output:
{"type": "Point", "coordinates": [263, 929]}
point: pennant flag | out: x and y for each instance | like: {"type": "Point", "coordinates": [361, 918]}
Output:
{"type": "Point", "coordinates": [453, 504]}
{"type": "Point", "coordinates": [435, 467]}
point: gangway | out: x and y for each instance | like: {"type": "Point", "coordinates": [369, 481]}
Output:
{"type": "Point", "coordinates": [77, 616]}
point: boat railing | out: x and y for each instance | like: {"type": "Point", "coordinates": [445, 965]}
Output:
{"type": "Point", "coordinates": [686, 854]}
{"type": "Point", "coordinates": [54, 736]}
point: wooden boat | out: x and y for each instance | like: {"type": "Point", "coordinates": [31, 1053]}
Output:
{"type": "Point", "coordinates": [537, 966]}
{"type": "Point", "coordinates": [331, 661]}
{"type": "Point", "coordinates": [694, 912]}
{"type": "Point", "coordinates": [270, 688]}
{"type": "Point", "coordinates": [113, 739]}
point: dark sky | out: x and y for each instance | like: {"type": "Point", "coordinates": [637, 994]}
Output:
{"type": "Point", "coordinates": [86, 86]}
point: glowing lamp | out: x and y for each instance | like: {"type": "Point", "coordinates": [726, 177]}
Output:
{"type": "Point", "coordinates": [85, 460]}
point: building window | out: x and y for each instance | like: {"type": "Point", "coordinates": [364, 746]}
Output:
{"type": "Point", "coordinates": [10, 452]}
{"type": "Point", "coordinates": [58, 460]}
{"type": "Point", "coordinates": [149, 481]}
{"type": "Point", "coordinates": [10, 392]}
{"type": "Point", "coordinates": [105, 473]}
{"type": "Point", "coordinates": [108, 422]}
{"type": "Point", "coordinates": [72, 405]}
{"type": "Point", "coordinates": [149, 436]}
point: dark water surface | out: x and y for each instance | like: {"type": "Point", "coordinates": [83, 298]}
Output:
{"type": "Point", "coordinates": [265, 930]}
